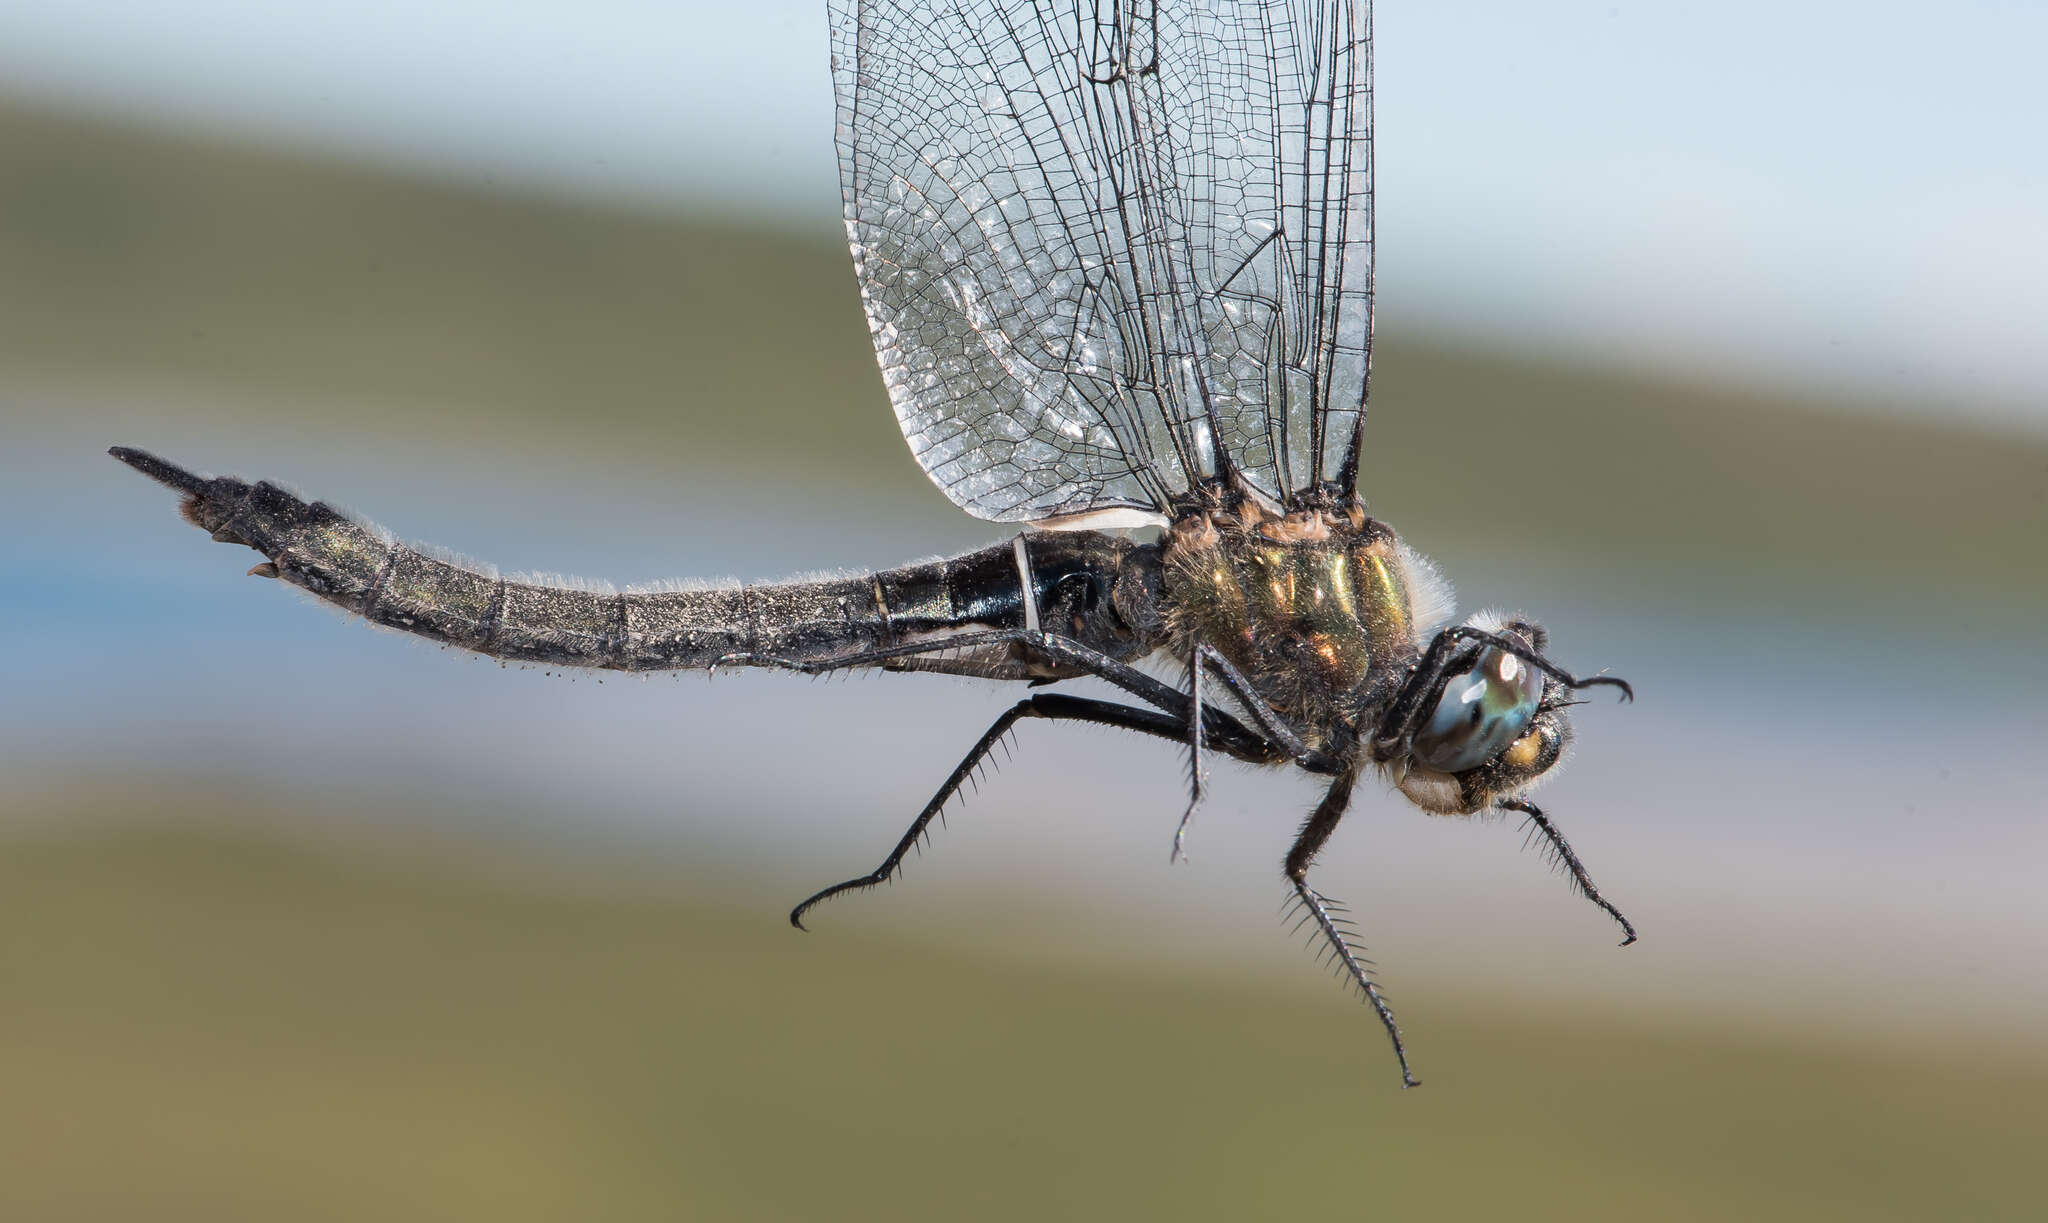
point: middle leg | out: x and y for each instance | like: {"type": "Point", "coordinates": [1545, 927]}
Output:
{"type": "Point", "coordinates": [1328, 915]}
{"type": "Point", "coordinates": [1205, 659]}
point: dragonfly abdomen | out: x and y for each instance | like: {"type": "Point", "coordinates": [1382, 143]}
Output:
{"type": "Point", "coordinates": [1071, 579]}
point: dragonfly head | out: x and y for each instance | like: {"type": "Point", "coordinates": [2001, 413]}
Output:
{"type": "Point", "coordinates": [1497, 729]}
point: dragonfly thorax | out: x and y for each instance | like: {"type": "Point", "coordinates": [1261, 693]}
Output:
{"type": "Point", "coordinates": [1315, 608]}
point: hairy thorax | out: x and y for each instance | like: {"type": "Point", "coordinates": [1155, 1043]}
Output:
{"type": "Point", "coordinates": [1315, 608]}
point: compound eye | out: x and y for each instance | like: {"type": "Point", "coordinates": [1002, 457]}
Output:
{"type": "Point", "coordinates": [1483, 712]}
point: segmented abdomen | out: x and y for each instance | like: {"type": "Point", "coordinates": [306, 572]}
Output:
{"type": "Point", "coordinates": [363, 569]}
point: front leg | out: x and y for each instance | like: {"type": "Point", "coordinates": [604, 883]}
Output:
{"type": "Point", "coordinates": [1424, 686]}
{"type": "Point", "coordinates": [1561, 853]}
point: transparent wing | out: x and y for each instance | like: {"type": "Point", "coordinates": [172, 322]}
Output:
{"type": "Point", "coordinates": [1111, 250]}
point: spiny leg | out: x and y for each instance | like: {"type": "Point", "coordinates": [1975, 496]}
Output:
{"type": "Point", "coordinates": [1226, 734]}
{"type": "Point", "coordinates": [1328, 916]}
{"type": "Point", "coordinates": [1175, 704]}
{"type": "Point", "coordinates": [1272, 728]}
{"type": "Point", "coordinates": [1522, 650]}
{"type": "Point", "coordinates": [1051, 646]}
{"type": "Point", "coordinates": [1425, 684]}
{"type": "Point", "coordinates": [1268, 721]}
{"type": "Point", "coordinates": [1271, 722]}
{"type": "Point", "coordinates": [1561, 853]}
{"type": "Point", "coordinates": [1195, 726]}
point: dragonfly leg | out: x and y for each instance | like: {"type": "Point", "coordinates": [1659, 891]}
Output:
{"type": "Point", "coordinates": [1425, 685]}
{"type": "Point", "coordinates": [1195, 744]}
{"type": "Point", "coordinates": [1561, 853]}
{"type": "Point", "coordinates": [1224, 733]}
{"type": "Point", "coordinates": [1051, 646]}
{"type": "Point", "coordinates": [1270, 721]}
{"type": "Point", "coordinates": [1205, 659]}
{"type": "Point", "coordinates": [1329, 915]}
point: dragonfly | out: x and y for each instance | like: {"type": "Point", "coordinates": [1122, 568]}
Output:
{"type": "Point", "coordinates": [1117, 260]}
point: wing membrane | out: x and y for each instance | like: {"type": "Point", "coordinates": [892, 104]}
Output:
{"type": "Point", "coordinates": [1109, 251]}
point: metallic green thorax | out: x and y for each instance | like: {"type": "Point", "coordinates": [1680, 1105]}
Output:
{"type": "Point", "coordinates": [1311, 608]}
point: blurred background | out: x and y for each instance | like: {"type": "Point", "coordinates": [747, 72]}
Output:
{"type": "Point", "coordinates": [302, 919]}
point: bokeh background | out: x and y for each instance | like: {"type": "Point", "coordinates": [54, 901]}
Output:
{"type": "Point", "coordinates": [302, 920]}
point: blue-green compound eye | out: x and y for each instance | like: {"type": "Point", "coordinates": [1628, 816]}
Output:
{"type": "Point", "coordinates": [1482, 711]}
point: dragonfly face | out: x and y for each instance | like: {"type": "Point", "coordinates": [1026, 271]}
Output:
{"type": "Point", "coordinates": [1497, 728]}
{"type": "Point", "coordinates": [1117, 262]}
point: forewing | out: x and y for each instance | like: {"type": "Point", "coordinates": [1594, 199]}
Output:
{"type": "Point", "coordinates": [1111, 251]}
